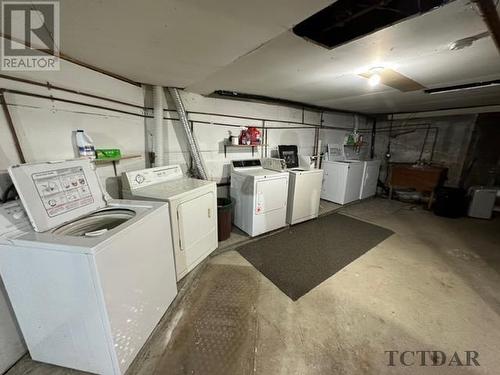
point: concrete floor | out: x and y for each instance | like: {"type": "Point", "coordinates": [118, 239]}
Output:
{"type": "Point", "coordinates": [433, 285]}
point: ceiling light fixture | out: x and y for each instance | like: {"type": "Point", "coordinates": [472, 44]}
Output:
{"type": "Point", "coordinates": [375, 77]}
{"type": "Point", "coordinates": [374, 80]}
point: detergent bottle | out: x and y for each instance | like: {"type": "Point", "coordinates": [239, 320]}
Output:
{"type": "Point", "coordinates": [85, 144]}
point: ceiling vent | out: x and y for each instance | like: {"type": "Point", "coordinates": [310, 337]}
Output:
{"type": "Point", "coordinates": [347, 20]}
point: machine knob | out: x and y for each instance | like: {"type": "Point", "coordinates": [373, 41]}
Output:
{"type": "Point", "coordinates": [139, 178]}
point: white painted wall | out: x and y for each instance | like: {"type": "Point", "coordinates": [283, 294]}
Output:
{"type": "Point", "coordinates": [211, 137]}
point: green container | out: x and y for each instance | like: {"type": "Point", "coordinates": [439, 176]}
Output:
{"type": "Point", "coordinates": [108, 154]}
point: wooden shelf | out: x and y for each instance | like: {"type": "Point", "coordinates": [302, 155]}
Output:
{"type": "Point", "coordinates": [236, 146]}
{"type": "Point", "coordinates": [111, 160]}
{"type": "Point", "coordinates": [124, 157]}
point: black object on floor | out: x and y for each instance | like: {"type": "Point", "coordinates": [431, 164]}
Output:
{"type": "Point", "coordinates": [303, 256]}
{"type": "Point", "coordinates": [450, 202]}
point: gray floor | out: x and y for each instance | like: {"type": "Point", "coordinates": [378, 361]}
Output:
{"type": "Point", "coordinates": [434, 285]}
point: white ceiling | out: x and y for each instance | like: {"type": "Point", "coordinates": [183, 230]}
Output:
{"type": "Point", "coordinates": [173, 42]}
{"type": "Point", "coordinates": [246, 46]}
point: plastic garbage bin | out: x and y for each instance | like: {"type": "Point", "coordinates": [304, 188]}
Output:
{"type": "Point", "coordinates": [224, 207]}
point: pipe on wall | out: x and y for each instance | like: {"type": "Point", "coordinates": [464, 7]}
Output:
{"type": "Point", "coordinates": [193, 146]}
{"type": "Point", "coordinates": [158, 128]}
{"type": "Point", "coordinates": [12, 128]}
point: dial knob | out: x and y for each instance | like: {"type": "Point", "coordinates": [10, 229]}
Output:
{"type": "Point", "coordinates": [139, 178]}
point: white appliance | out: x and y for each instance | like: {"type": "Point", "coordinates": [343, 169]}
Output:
{"type": "Point", "coordinates": [13, 222]}
{"type": "Point", "coordinates": [193, 210]}
{"type": "Point", "coordinates": [259, 196]}
{"type": "Point", "coordinates": [341, 180]}
{"type": "Point", "coordinates": [482, 201]}
{"type": "Point", "coordinates": [369, 180]}
{"type": "Point", "coordinates": [304, 190]}
{"type": "Point", "coordinates": [90, 284]}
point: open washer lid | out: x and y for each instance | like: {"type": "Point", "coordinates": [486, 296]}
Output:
{"type": "Point", "coordinates": [54, 193]}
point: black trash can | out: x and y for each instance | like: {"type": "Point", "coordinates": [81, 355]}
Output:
{"type": "Point", "coordinates": [450, 202]}
{"type": "Point", "coordinates": [224, 207]}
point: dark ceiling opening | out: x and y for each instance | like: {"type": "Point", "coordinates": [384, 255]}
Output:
{"type": "Point", "coordinates": [346, 20]}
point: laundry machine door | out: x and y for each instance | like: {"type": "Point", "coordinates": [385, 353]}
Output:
{"type": "Point", "coordinates": [197, 221]}
{"type": "Point", "coordinates": [272, 194]}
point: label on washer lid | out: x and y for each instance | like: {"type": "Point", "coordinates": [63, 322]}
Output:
{"type": "Point", "coordinates": [54, 193]}
{"type": "Point", "coordinates": [63, 190]}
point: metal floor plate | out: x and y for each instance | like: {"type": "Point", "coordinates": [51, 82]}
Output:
{"type": "Point", "coordinates": [217, 332]}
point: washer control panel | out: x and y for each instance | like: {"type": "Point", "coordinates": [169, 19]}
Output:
{"type": "Point", "coordinates": [13, 220]}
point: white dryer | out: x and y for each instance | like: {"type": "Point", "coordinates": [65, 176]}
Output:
{"type": "Point", "coordinates": [259, 195]}
{"type": "Point", "coordinates": [193, 210]}
{"type": "Point", "coordinates": [93, 279]}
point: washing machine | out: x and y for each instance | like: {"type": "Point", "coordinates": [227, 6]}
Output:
{"type": "Point", "coordinates": [13, 222]}
{"type": "Point", "coordinates": [90, 283]}
{"type": "Point", "coordinates": [259, 195]}
{"type": "Point", "coordinates": [193, 210]}
{"type": "Point", "coordinates": [304, 190]}
{"type": "Point", "coordinates": [341, 180]}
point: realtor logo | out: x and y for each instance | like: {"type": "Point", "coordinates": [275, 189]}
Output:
{"type": "Point", "coordinates": [30, 31]}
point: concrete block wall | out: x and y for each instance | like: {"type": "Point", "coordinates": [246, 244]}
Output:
{"type": "Point", "coordinates": [450, 142]}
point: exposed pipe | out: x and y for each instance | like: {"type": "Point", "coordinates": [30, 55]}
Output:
{"type": "Point", "coordinates": [12, 127]}
{"type": "Point", "coordinates": [76, 62]}
{"type": "Point", "coordinates": [158, 129]}
{"type": "Point", "coordinates": [490, 17]}
{"type": "Point", "coordinates": [50, 86]}
{"type": "Point", "coordinates": [193, 146]}
{"type": "Point", "coordinates": [57, 99]}
{"type": "Point", "coordinates": [372, 142]}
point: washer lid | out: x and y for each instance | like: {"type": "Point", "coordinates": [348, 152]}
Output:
{"type": "Point", "coordinates": [54, 193]}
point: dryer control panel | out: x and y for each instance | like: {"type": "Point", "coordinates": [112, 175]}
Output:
{"type": "Point", "coordinates": [150, 176]}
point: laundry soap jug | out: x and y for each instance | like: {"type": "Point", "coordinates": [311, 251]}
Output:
{"type": "Point", "coordinates": [85, 144]}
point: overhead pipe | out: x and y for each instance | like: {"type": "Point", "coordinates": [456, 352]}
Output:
{"type": "Point", "coordinates": [490, 16]}
{"type": "Point", "coordinates": [12, 128]}
{"type": "Point", "coordinates": [158, 128]}
{"type": "Point", "coordinates": [193, 146]}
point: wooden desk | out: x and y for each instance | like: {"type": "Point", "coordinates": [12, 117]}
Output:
{"type": "Point", "coordinates": [422, 178]}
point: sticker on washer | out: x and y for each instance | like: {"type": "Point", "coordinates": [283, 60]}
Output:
{"type": "Point", "coordinates": [63, 190]}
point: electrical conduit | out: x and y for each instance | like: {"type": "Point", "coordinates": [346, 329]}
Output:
{"type": "Point", "coordinates": [158, 129]}
{"type": "Point", "coordinates": [193, 146]}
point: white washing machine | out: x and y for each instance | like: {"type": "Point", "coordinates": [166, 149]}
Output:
{"type": "Point", "coordinates": [371, 170]}
{"type": "Point", "coordinates": [193, 210]}
{"type": "Point", "coordinates": [13, 222]}
{"type": "Point", "coordinates": [304, 190]}
{"type": "Point", "coordinates": [259, 195]}
{"type": "Point", "coordinates": [341, 180]}
{"type": "Point", "coordinates": [93, 279]}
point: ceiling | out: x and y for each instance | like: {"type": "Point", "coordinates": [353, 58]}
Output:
{"type": "Point", "coordinates": [173, 42]}
{"type": "Point", "coordinates": [247, 46]}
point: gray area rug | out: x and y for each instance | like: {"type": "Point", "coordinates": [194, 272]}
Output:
{"type": "Point", "coordinates": [302, 257]}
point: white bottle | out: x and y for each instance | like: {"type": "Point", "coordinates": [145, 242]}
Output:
{"type": "Point", "coordinates": [85, 145]}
